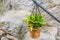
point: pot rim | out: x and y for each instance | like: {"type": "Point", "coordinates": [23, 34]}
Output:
{"type": "Point", "coordinates": [36, 28]}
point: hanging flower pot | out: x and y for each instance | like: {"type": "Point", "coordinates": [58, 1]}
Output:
{"type": "Point", "coordinates": [35, 33]}
{"type": "Point", "coordinates": [35, 21]}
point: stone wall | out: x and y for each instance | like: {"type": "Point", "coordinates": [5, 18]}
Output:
{"type": "Point", "coordinates": [18, 5]}
{"type": "Point", "coordinates": [12, 19]}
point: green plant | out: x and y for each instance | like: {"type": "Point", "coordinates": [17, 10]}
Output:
{"type": "Point", "coordinates": [35, 20]}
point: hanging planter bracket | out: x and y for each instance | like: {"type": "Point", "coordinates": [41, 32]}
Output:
{"type": "Point", "coordinates": [39, 5]}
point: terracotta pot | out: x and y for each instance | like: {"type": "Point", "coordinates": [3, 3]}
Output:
{"type": "Point", "coordinates": [35, 33]}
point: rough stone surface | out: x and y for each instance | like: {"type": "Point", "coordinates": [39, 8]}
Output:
{"type": "Point", "coordinates": [13, 23]}
{"type": "Point", "coordinates": [18, 5]}
{"type": "Point", "coordinates": [9, 37]}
